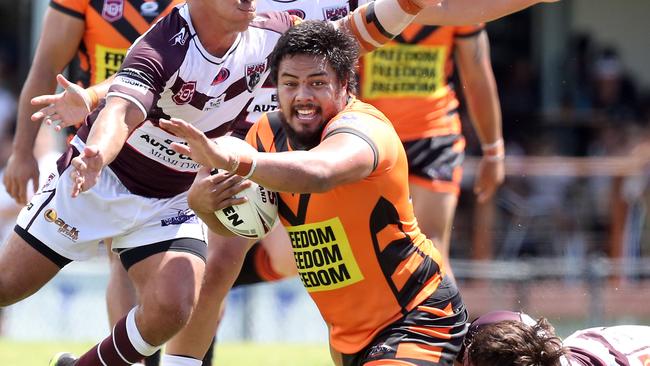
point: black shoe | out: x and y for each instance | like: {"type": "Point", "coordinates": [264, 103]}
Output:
{"type": "Point", "coordinates": [63, 359]}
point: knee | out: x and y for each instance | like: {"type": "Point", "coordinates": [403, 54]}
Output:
{"type": "Point", "coordinates": [172, 308]}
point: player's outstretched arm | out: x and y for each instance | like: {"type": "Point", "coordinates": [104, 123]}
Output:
{"type": "Point", "coordinates": [71, 106]}
{"type": "Point", "coordinates": [480, 90]}
{"type": "Point", "coordinates": [462, 12]}
{"type": "Point", "coordinates": [57, 46]}
{"type": "Point", "coordinates": [339, 159]}
{"type": "Point", "coordinates": [377, 22]}
{"type": "Point", "coordinates": [107, 136]}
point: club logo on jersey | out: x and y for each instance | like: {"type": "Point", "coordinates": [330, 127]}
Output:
{"type": "Point", "coordinates": [379, 350]}
{"type": "Point", "coordinates": [48, 182]}
{"type": "Point", "coordinates": [254, 74]}
{"type": "Point", "coordinates": [185, 93]}
{"type": "Point", "coordinates": [149, 9]}
{"type": "Point", "coordinates": [113, 10]}
{"type": "Point", "coordinates": [335, 12]}
{"type": "Point", "coordinates": [222, 75]}
{"type": "Point", "coordinates": [214, 103]}
{"type": "Point", "coordinates": [179, 38]}
{"type": "Point", "coordinates": [297, 12]}
{"type": "Point", "coordinates": [66, 230]}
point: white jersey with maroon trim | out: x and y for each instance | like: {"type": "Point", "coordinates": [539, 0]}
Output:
{"type": "Point", "coordinates": [623, 345]}
{"type": "Point", "coordinates": [331, 10]}
{"type": "Point", "coordinates": [168, 73]}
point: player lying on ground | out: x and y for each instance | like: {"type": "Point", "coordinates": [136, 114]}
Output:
{"type": "Point", "coordinates": [512, 338]}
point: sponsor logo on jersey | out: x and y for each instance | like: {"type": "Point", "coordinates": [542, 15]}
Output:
{"type": "Point", "coordinates": [130, 79]}
{"type": "Point", "coordinates": [185, 94]}
{"type": "Point", "coordinates": [254, 74]}
{"type": "Point", "coordinates": [149, 9]}
{"type": "Point", "coordinates": [323, 255]}
{"type": "Point", "coordinates": [297, 12]}
{"type": "Point", "coordinates": [179, 38]}
{"type": "Point", "coordinates": [214, 103]}
{"type": "Point", "coordinates": [335, 12]}
{"type": "Point", "coordinates": [66, 230]}
{"type": "Point", "coordinates": [222, 75]}
{"type": "Point", "coordinates": [181, 217]}
{"type": "Point", "coordinates": [113, 10]}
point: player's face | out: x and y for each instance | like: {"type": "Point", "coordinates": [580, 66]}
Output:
{"type": "Point", "coordinates": [310, 94]}
{"type": "Point", "coordinates": [236, 13]}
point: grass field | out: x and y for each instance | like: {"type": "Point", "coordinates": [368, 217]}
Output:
{"type": "Point", "coordinates": [14, 353]}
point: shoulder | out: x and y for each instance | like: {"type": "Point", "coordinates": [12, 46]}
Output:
{"type": "Point", "coordinates": [359, 116]}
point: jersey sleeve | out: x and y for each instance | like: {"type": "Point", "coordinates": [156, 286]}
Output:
{"type": "Point", "coordinates": [75, 8]}
{"type": "Point", "coordinates": [381, 137]}
{"type": "Point", "coordinates": [150, 63]}
{"type": "Point", "coordinates": [468, 30]}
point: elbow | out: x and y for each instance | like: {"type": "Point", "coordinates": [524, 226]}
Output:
{"type": "Point", "coordinates": [320, 179]}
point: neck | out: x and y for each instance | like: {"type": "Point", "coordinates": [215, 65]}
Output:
{"type": "Point", "coordinates": [203, 19]}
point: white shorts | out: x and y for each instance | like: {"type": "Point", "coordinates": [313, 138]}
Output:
{"type": "Point", "coordinates": [73, 227]}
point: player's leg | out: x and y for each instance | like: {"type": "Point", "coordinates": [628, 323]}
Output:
{"type": "Point", "coordinates": [225, 257]}
{"type": "Point", "coordinates": [435, 214]}
{"type": "Point", "coordinates": [434, 174]}
{"type": "Point", "coordinates": [24, 268]}
{"type": "Point", "coordinates": [167, 277]}
{"type": "Point", "coordinates": [120, 295]}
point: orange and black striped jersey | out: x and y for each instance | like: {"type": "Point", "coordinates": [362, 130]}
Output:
{"type": "Point", "coordinates": [358, 248]}
{"type": "Point", "coordinates": [111, 26]}
{"type": "Point", "coordinates": [408, 80]}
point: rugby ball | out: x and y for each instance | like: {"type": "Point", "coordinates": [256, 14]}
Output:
{"type": "Point", "coordinates": [254, 218]}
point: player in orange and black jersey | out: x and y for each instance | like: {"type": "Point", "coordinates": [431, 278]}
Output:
{"type": "Point", "coordinates": [409, 80]}
{"type": "Point", "coordinates": [342, 178]}
{"type": "Point", "coordinates": [94, 36]}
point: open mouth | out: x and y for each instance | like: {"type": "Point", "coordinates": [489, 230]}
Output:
{"type": "Point", "coordinates": [306, 113]}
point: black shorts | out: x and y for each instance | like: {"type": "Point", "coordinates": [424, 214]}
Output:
{"type": "Point", "coordinates": [131, 256]}
{"type": "Point", "coordinates": [429, 335]}
{"type": "Point", "coordinates": [435, 162]}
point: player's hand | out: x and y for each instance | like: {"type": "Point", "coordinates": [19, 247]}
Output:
{"type": "Point", "coordinates": [490, 175]}
{"type": "Point", "coordinates": [212, 192]}
{"type": "Point", "coordinates": [19, 170]}
{"type": "Point", "coordinates": [199, 147]}
{"type": "Point", "coordinates": [67, 108]}
{"type": "Point", "coordinates": [86, 169]}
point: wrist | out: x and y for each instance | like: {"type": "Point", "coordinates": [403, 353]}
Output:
{"type": "Point", "coordinates": [494, 151]}
{"type": "Point", "coordinates": [93, 98]}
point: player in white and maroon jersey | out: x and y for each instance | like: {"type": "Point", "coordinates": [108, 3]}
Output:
{"type": "Point", "coordinates": [514, 338]}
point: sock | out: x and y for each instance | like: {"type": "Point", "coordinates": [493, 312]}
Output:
{"type": "Point", "coordinates": [171, 360]}
{"type": "Point", "coordinates": [123, 347]}
{"type": "Point", "coordinates": [153, 360]}
{"type": "Point", "coordinates": [207, 360]}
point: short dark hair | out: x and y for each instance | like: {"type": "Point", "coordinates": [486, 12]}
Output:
{"type": "Point", "coordinates": [319, 38]}
{"type": "Point", "coordinates": [514, 343]}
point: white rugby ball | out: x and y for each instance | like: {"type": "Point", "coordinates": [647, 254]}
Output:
{"type": "Point", "coordinates": [254, 218]}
